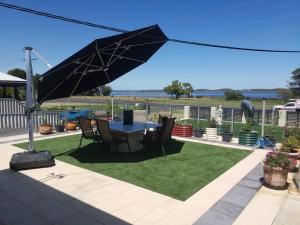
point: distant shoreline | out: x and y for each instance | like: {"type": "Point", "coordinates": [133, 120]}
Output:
{"type": "Point", "coordinates": [220, 89]}
{"type": "Point", "coordinates": [253, 93]}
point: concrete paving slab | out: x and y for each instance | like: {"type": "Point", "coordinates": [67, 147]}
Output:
{"type": "Point", "coordinates": [239, 195]}
{"type": "Point", "coordinates": [227, 208]}
{"type": "Point", "coordinates": [213, 216]}
{"type": "Point", "coordinates": [262, 209]}
{"type": "Point", "coordinates": [34, 220]}
{"type": "Point", "coordinates": [289, 212]}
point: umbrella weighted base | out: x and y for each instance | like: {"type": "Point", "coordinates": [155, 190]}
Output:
{"type": "Point", "coordinates": [31, 160]}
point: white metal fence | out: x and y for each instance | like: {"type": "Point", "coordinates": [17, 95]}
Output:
{"type": "Point", "coordinates": [16, 120]}
{"type": "Point", "coordinates": [12, 115]}
{"type": "Point", "coordinates": [11, 105]}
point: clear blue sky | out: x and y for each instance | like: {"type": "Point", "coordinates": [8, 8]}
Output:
{"type": "Point", "coordinates": [273, 24]}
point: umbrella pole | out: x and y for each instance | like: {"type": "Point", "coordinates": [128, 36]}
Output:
{"type": "Point", "coordinates": [112, 108]}
{"type": "Point", "coordinates": [29, 97]}
{"type": "Point", "coordinates": [30, 159]}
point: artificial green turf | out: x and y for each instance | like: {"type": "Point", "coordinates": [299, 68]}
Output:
{"type": "Point", "coordinates": [187, 168]}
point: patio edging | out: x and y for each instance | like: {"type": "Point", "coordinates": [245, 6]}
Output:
{"type": "Point", "coordinates": [227, 209]}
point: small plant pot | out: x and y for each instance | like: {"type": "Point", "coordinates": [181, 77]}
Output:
{"type": "Point", "coordinates": [93, 123]}
{"type": "Point", "coordinates": [45, 129]}
{"type": "Point", "coordinates": [248, 139]}
{"type": "Point", "coordinates": [182, 131]}
{"type": "Point", "coordinates": [71, 125]}
{"type": "Point", "coordinates": [227, 137]}
{"type": "Point", "coordinates": [294, 154]}
{"type": "Point", "coordinates": [198, 133]}
{"type": "Point", "coordinates": [60, 128]}
{"type": "Point", "coordinates": [211, 133]}
{"type": "Point", "coordinates": [276, 177]}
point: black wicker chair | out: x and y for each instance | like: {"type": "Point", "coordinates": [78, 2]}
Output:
{"type": "Point", "coordinates": [87, 130]}
{"type": "Point", "coordinates": [112, 139]}
{"type": "Point", "coordinates": [163, 135]}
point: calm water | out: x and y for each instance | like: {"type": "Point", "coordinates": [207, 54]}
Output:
{"type": "Point", "coordinates": [212, 93]}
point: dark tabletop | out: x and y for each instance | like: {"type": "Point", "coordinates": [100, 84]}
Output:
{"type": "Point", "coordinates": [136, 127]}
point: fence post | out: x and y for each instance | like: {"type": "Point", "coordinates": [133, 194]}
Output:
{"type": "Point", "coordinates": [282, 118]}
{"type": "Point", "coordinates": [171, 110]}
{"type": "Point", "coordinates": [232, 119]}
{"type": "Point", "coordinates": [198, 114]}
{"type": "Point", "coordinates": [213, 112]}
{"type": "Point", "coordinates": [186, 112]}
{"type": "Point", "coordinates": [148, 112]}
{"type": "Point", "coordinates": [273, 115]}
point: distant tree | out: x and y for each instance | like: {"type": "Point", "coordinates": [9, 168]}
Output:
{"type": "Point", "coordinates": [294, 83]}
{"type": "Point", "coordinates": [284, 93]}
{"type": "Point", "coordinates": [175, 88]}
{"type": "Point", "coordinates": [17, 72]}
{"type": "Point", "coordinates": [233, 95]}
{"type": "Point", "coordinates": [187, 89]}
{"type": "Point", "coordinates": [91, 92]}
{"type": "Point", "coordinates": [105, 90]}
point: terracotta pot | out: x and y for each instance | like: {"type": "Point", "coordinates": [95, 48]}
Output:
{"type": "Point", "coordinates": [45, 129]}
{"type": "Point", "coordinates": [276, 177]}
{"type": "Point", "coordinates": [71, 125]}
{"type": "Point", "coordinates": [294, 154]}
{"type": "Point", "coordinates": [182, 131]}
{"type": "Point", "coordinates": [93, 123]}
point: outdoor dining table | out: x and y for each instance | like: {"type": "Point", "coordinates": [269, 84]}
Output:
{"type": "Point", "coordinates": [134, 132]}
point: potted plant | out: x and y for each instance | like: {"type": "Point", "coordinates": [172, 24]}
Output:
{"type": "Point", "coordinates": [211, 130]}
{"type": "Point", "coordinates": [60, 126]}
{"type": "Point", "coordinates": [227, 134]}
{"type": "Point", "coordinates": [276, 167]}
{"type": "Point", "coordinates": [291, 146]}
{"type": "Point", "coordinates": [71, 125]}
{"type": "Point", "coordinates": [197, 130]}
{"type": "Point", "coordinates": [247, 136]}
{"type": "Point", "coordinates": [45, 128]}
{"type": "Point", "coordinates": [270, 134]}
{"type": "Point", "coordinates": [182, 129]}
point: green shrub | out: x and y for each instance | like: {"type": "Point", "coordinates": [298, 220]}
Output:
{"type": "Point", "coordinates": [233, 95]}
{"type": "Point", "coordinates": [226, 128]}
{"type": "Point", "coordinates": [290, 143]}
{"type": "Point", "coordinates": [247, 128]}
{"type": "Point", "coordinates": [212, 123]}
{"type": "Point", "coordinates": [271, 131]}
{"type": "Point", "coordinates": [277, 160]}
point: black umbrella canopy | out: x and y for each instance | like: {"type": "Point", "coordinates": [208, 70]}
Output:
{"type": "Point", "coordinates": [100, 62]}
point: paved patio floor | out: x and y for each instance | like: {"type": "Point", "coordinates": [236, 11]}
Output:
{"type": "Point", "coordinates": [66, 194]}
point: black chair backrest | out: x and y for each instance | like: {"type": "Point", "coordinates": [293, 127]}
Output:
{"type": "Point", "coordinates": [86, 128]}
{"type": "Point", "coordinates": [168, 125]}
{"type": "Point", "coordinates": [103, 128]}
{"type": "Point", "coordinates": [162, 115]}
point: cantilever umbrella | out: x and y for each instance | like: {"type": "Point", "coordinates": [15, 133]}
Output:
{"type": "Point", "coordinates": [100, 62]}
